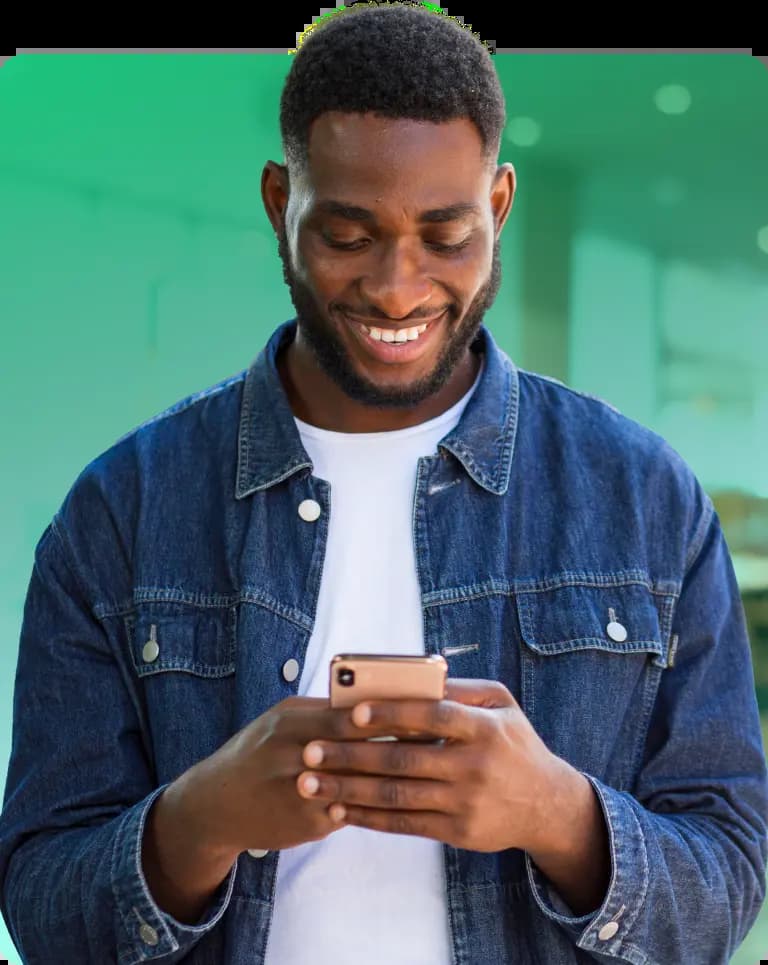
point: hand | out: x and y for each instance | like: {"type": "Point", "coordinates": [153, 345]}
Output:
{"type": "Point", "coordinates": [482, 789]}
{"type": "Point", "coordinates": [244, 795]}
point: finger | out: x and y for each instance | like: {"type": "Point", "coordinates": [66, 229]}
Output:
{"type": "Point", "coordinates": [479, 693]}
{"type": "Point", "coordinates": [406, 794]}
{"type": "Point", "coordinates": [395, 758]}
{"type": "Point", "coordinates": [439, 718]}
{"type": "Point", "coordinates": [315, 718]}
{"type": "Point", "coordinates": [422, 824]}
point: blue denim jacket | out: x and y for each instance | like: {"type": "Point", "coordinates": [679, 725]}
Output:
{"type": "Point", "coordinates": [565, 516]}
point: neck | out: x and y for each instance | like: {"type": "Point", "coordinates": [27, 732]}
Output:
{"type": "Point", "coordinates": [317, 400]}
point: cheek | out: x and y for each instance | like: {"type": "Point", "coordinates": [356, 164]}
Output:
{"type": "Point", "coordinates": [327, 279]}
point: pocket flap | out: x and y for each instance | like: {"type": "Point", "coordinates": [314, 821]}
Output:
{"type": "Point", "coordinates": [177, 637]}
{"type": "Point", "coordinates": [616, 618]}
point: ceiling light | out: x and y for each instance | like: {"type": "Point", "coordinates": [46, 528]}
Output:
{"type": "Point", "coordinates": [673, 99]}
{"type": "Point", "coordinates": [523, 131]}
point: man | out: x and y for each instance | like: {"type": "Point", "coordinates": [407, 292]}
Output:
{"type": "Point", "coordinates": [383, 478]}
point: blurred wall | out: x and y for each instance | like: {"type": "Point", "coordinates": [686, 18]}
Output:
{"type": "Point", "coordinates": [137, 265]}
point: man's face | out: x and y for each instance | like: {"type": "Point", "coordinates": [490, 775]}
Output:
{"type": "Point", "coordinates": [395, 274]}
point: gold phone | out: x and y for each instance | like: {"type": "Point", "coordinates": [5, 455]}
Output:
{"type": "Point", "coordinates": [355, 677]}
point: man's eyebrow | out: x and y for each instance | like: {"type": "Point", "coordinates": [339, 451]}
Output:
{"type": "Point", "coordinates": [454, 212]}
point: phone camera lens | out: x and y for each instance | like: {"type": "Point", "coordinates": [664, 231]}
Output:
{"type": "Point", "coordinates": [346, 677]}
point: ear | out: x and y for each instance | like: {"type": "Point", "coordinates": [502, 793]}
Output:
{"type": "Point", "coordinates": [275, 191]}
{"type": "Point", "coordinates": [502, 194]}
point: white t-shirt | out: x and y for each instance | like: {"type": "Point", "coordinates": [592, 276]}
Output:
{"type": "Point", "coordinates": [361, 896]}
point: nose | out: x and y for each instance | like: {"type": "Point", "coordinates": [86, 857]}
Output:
{"type": "Point", "coordinates": [396, 283]}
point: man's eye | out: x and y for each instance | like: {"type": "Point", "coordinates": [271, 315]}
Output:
{"type": "Point", "coordinates": [434, 245]}
{"type": "Point", "coordinates": [344, 245]}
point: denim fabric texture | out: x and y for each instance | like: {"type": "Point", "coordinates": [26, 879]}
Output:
{"type": "Point", "coordinates": [543, 517]}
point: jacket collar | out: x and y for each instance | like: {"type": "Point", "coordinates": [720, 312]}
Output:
{"type": "Point", "coordinates": [270, 448]}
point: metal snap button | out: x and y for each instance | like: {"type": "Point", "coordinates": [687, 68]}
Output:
{"type": "Point", "coordinates": [258, 852]}
{"type": "Point", "coordinates": [608, 931]}
{"type": "Point", "coordinates": [148, 934]}
{"type": "Point", "coordinates": [615, 630]}
{"type": "Point", "coordinates": [151, 650]}
{"type": "Point", "coordinates": [309, 510]}
{"type": "Point", "coordinates": [291, 670]}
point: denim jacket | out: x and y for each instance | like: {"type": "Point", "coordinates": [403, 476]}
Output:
{"type": "Point", "coordinates": [561, 549]}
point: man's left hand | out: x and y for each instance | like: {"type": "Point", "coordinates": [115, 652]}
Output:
{"type": "Point", "coordinates": [485, 788]}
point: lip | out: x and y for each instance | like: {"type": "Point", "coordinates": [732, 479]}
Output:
{"type": "Point", "coordinates": [374, 323]}
{"type": "Point", "coordinates": [385, 352]}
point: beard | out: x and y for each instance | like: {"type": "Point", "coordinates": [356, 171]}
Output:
{"type": "Point", "coordinates": [334, 359]}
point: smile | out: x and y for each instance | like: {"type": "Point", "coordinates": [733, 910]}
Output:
{"type": "Point", "coordinates": [396, 345]}
{"type": "Point", "coordinates": [389, 335]}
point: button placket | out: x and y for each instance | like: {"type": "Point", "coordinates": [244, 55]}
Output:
{"type": "Point", "coordinates": [309, 510]}
{"type": "Point", "coordinates": [147, 933]}
{"type": "Point", "coordinates": [610, 928]}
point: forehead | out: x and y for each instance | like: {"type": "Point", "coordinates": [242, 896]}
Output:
{"type": "Point", "coordinates": [397, 160]}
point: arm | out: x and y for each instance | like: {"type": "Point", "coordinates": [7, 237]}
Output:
{"type": "Point", "coordinates": [183, 874]}
{"type": "Point", "coordinates": [688, 846]}
{"type": "Point", "coordinates": [78, 792]}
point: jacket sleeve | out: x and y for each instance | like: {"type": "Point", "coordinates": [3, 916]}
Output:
{"type": "Point", "coordinates": [688, 845]}
{"type": "Point", "coordinates": [78, 790]}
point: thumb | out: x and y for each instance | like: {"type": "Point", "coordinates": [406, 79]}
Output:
{"type": "Point", "coordinates": [478, 693]}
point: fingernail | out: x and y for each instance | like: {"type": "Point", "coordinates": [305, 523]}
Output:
{"type": "Point", "coordinates": [313, 754]}
{"type": "Point", "coordinates": [311, 784]}
{"type": "Point", "coordinates": [362, 714]}
{"type": "Point", "coordinates": [337, 812]}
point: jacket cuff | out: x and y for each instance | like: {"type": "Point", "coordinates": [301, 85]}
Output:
{"type": "Point", "coordinates": [606, 929]}
{"type": "Point", "coordinates": [145, 931]}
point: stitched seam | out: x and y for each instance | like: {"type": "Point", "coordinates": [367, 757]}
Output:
{"type": "Point", "coordinates": [68, 558]}
{"type": "Point", "coordinates": [700, 535]}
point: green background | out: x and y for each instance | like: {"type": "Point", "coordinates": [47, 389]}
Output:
{"type": "Point", "coordinates": [137, 265]}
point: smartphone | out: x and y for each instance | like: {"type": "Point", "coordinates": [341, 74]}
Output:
{"type": "Point", "coordinates": [355, 677]}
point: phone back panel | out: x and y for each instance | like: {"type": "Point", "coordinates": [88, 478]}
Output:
{"type": "Point", "coordinates": [385, 677]}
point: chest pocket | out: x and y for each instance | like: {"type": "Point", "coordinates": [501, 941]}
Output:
{"type": "Point", "coordinates": [184, 658]}
{"type": "Point", "coordinates": [177, 637]}
{"type": "Point", "coordinates": [591, 660]}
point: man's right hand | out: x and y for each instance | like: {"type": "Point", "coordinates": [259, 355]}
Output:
{"type": "Point", "coordinates": [242, 797]}
{"type": "Point", "coordinates": [246, 791]}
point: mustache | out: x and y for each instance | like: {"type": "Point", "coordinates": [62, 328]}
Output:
{"type": "Point", "coordinates": [375, 316]}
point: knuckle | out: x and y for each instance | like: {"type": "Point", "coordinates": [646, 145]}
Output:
{"type": "Point", "coordinates": [477, 766]}
{"type": "Point", "coordinates": [501, 689]}
{"type": "Point", "coordinates": [443, 714]}
{"type": "Point", "coordinates": [402, 824]}
{"type": "Point", "coordinates": [344, 756]}
{"type": "Point", "coordinates": [398, 758]}
{"type": "Point", "coordinates": [391, 792]}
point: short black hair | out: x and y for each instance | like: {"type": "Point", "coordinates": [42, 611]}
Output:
{"type": "Point", "coordinates": [397, 60]}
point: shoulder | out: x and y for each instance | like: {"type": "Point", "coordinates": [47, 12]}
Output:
{"type": "Point", "coordinates": [154, 462]}
{"type": "Point", "coordinates": [640, 473]}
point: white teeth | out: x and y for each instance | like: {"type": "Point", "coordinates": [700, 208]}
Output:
{"type": "Point", "coordinates": [402, 335]}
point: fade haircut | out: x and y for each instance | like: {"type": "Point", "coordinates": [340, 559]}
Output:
{"type": "Point", "coordinates": [395, 60]}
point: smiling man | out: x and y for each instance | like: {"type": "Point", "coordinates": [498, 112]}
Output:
{"type": "Point", "coordinates": [420, 204]}
{"type": "Point", "coordinates": [384, 479]}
